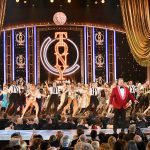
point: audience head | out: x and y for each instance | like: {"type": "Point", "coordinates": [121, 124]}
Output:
{"type": "Point", "coordinates": [82, 138]}
{"type": "Point", "coordinates": [104, 146]}
{"type": "Point", "coordinates": [87, 146]}
{"type": "Point", "coordinates": [44, 145]}
{"type": "Point", "coordinates": [132, 128]}
{"type": "Point", "coordinates": [80, 132]}
{"type": "Point", "coordinates": [95, 145]}
{"type": "Point", "coordinates": [79, 146]}
{"type": "Point", "coordinates": [111, 141]}
{"type": "Point", "coordinates": [93, 134]}
{"type": "Point", "coordinates": [137, 138]}
{"type": "Point", "coordinates": [120, 145]}
{"type": "Point", "coordinates": [65, 141]}
{"type": "Point", "coordinates": [121, 135]}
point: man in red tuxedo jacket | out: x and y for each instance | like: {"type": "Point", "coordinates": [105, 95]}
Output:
{"type": "Point", "coordinates": [119, 98]}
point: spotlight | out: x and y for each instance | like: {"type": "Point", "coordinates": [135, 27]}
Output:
{"type": "Point", "coordinates": [17, 1]}
{"type": "Point", "coordinates": [52, 1]}
{"type": "Point", "coordinates": [25, 1]}
{"type": "Point", "coordinates": [103, 1]}
{"type": "Point", "coordinates": [69, 1]}
{"type": "Point", "coordinates": [96, 2]}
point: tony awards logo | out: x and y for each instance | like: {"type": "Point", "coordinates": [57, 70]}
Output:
{"type": "Point", "coordinates": [20, 61]}
{"type": "Point", "coordinates": [20, 39]}
{"type": "Point", "coordinates": [61, 55]}
{"type": "Point", "coordinates": [99, 38]}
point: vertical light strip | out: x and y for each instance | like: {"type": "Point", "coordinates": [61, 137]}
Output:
{"type": "Point", "coordinates": [106, 45]}
{"type": "Point", "coordinates": [93, 42]}
{"type": "Point", "coordinates": [26, 54]}
{"type": "Point", "coordinates": [115, 75]}
{"type": "Point", "coordinates": [35, 56]}
{"type": "Point", "coordinates": [85, 54]}
{"type": "Point", "coordinates": [4, 55]}
{"type": "Point", "coordinates": [13, 55]}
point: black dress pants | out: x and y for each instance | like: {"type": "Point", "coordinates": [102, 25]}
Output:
{"type": "Point", "coordinates": [119, 114]}
{"type": "Point", "coordinates": [93, 100]}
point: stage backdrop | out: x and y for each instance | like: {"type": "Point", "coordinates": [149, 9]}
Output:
{"type": "Point", "coordinates": [19, 54]}
{"type": "Point", "coordinates": [100, 55]}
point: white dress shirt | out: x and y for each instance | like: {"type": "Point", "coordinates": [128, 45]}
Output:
{"type": "Point", "coordinates": [122, 91]}
{"type": "Point", "coordinates": [14, 89]}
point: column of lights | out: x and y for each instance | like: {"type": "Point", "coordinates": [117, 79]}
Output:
{"type": "Point", "coordinates": [115, 71]}
{"type": "Point", "coordinates": [4, 55]}
{"type": "Point", "coordinates": [13, 56]}
{"type": "Point", "coordinates": [35, 56]}
{"type": "Point", "coordinates": [85, 54]}
{"type": "Point", "coordinates": [93, 42]}
{"type": "Point", "coordinates": [26, 36]}
{"type": "Point", "coordinates": [106, 45]}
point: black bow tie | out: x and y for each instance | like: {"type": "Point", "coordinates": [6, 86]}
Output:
{"type": "Point", "coordinates": [121, 87]}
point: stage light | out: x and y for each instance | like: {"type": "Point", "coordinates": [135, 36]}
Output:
{"type": "Point", "coordinates": [25, 2]}
{"type": "Point", "coordinates": [103, 1]}
{"type": "Point", "coordinates": [115, 57]}
{"type": "Point", "coordinates": [17, 1]}
{"type": "Point", "coordinates": [35, 57]}
{"type": "Point", "coordinates": [69, 1]}
{"type": "Point", "coordinates": [4, 54]}
{"type": "Point", "coordinates": [93, 41]}
{"type": "Point", "coordinates": [85, 54]}
{"type": "Point", "coordinates": [13, 55]}
{"type": "Point", "coordinates": [106, 44]}
{"type": "Point", "coordinates": [96, 2]}
{"type": "Point", "coordinates": [52, 1]}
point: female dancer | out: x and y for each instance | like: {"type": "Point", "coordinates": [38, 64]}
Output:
{"type": "Point", "coordinates": [63, 97]}
{"type": "Point", "coordinates": [31, 100]}
{"type": "Point", "coordinates": [5, 100]}
{"type": "Point", "coordinates": [72, 98]}
{"type": "Point", "coordinates": [84, 101]}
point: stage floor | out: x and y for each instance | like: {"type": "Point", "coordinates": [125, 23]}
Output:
{"type": "Point", "coordinates": [26, 134]}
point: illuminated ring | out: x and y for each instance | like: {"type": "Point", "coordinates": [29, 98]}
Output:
{"type": "Point", "coordinates": [43, 53]}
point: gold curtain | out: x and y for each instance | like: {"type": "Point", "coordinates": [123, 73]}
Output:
{"type": "Point", "coordinates": [137, 26]}
{"type": "Point", "coordinates": [2, 13]}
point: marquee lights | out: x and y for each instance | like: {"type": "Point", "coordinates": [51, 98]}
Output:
{"type": "Point", "coordinates": [13, 56]}
{"type": "Point", "coordinates": [106, 44]}
{"type": "Point", "coordinates": [93, 42]}
{"type": "Point", "coordinates": [26, 37]}
{"type": "Point", "coordinates": [35, 57]}
{"type": "Point", "coordinates": [55, 69]}
{"type": "Point", "coordinates": [4, 54]}
{"type": "Point", "coordinates": [115, 71]}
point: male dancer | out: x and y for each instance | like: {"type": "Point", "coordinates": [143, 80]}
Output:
{"type": "Point", "coordinates": [94, 93]}
{"type": "Point", "coordinates": [132, 89]}
{"type": "Point", "coordinates": [14, 98]}
{"type": "Point", "coordinates": [119, 99]}
{"type": "Point", "coordinates": [54, 99]}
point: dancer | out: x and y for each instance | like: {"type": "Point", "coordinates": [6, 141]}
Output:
{"type": "Point", "coordinates": [72, 98]}
{"type": "Point", "coordinates": [63, 97]}
{"type": "Point", "coordinates": [118, 99]}
{"type": "Point", "coordinates": [54, 99]}
{"type": "Point", "coordinates": [85, 98]}
{"type": "Point", "coordinates": [32, 93]}
{"type": "Point", "coordinates": [132, 89]}
{"type": "Point", "coordinates": [94, 93]}
{"type": "Point", "coordinates": [14, 98]}
{"type": "Point", "coordinates": [5, 100]}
